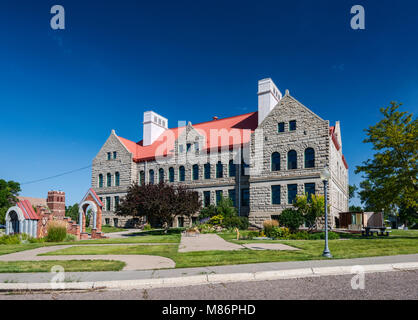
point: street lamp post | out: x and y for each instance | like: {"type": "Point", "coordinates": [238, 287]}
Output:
{"type": "Point", "coordinates": [325, 175]}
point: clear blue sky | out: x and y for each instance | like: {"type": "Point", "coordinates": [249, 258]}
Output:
{"type": "Point", "coordinates": [61, 92]}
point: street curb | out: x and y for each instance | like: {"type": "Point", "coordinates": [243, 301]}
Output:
{"type": "Point", "coordinates": [209, 278]}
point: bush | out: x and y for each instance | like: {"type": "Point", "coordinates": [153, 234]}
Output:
{"type": "Point", "coordinates": [279, 233]}
{"type": "Point", "coordinates": [216, 220]}
{"type": "Point", "coordinates": [18, 239]}
{"type": "Point", "coordinates": [147, 227]}
{"type": "Point", "coordinates": [70, 237]}
{"type": "Point", "coordinates": [207, 212]}
{"type": "Point", "coordinates": [10, 239]}
{"type": "Point", "coordinates": [268, 226]}
{"type": "Point", "coordinates": [291, 219]}
{"type": "Point", "coordinates": [57, 231]}
{"type": "Point", "coordinates": [236, 222]}
{"type": "Point", "coordinates": [249, 235]}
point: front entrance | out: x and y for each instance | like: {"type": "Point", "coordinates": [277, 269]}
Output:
{"type": "Point", "coordinates": [14, 223]}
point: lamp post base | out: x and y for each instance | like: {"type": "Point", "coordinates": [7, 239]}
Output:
{"type": "Point", "coordinates": [327, 254]}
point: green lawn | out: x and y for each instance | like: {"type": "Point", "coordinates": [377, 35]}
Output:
{"type": "Point", "coordinates": [107, 229]}
{"type": "Point", "coordinates": [69, 266]}
{"type": "Point", "coordinates": [400, 242]}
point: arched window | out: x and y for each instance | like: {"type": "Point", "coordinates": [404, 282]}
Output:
{"type": "Point", "coordinates": [309, 158]}
{"type": "Point", "coordinates": [109, 180]}
{"type": "Point", "coordinates": [151, 176]}
{"type": "Point", "coordinates": [275, 161]}
{"type": "Point", "coordinates": [182, 174]}
{"type": "Point", "coordinates": [195, 172]}
{"type": "Point", "coordinates": [100, 181]}
{"type": "Point", "coordinates": [231, 168]}
{"type": "Point", "coordinates": [117, 179]}
{"type": "Point", "coordinates": [161, 175]}
{"type": "Point", "coordinates": [219, 170]}
{"type": "Point", "coordinates": [292, 160]}
{"type": "Point", "coordinates": [141, 178]}
{"type": "Point", "coordinates": [171, 174]}
{"type": "Point", "coordinates": [207, 171]}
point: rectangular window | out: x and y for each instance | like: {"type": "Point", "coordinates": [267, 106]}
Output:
{"type": "Point", "coordinates": [280, 127]}
{"type": "Point", "coordinates": [310, 190]}
{"type": "Point", "coordinates": [115, 222]}
{"type": "Point", "coordinates": [180, 148]}
{"type": "Point", "coordinates": [115, 154]}
{"type": "Point", "coordinates": [196, 146]}
{"type": "Point", "coordinates": [188, 146]}
{"type": "Point", "coordinates": [275, 217]}
{"type": "Point", "coordinates": [206, 198]}
{"type": "Point", "coordinates": [245, 197]}
{"type": "Point", "coordinates": [109, 156]}
{"type": "Point", "coordinates": [231, 195]}
{"type": "Point", "coordinates": [108, 203]}
{"type": "Point", "coordinates": [218, 196]}
{"type": "Point", "coordinates": [275, 194]}
{"type": "Point", "coordinates": [292, 125]}
{"type": "Point", "coordinates": [107, 221]}
{"type": "Point", "coordinates": [194, 220]}
{"type": "Point", "coordinates": [292, 191]}
{"type": "Point", "coordinates": [207, 171]}
{"type": "Point", "coordinates": [116, 203]}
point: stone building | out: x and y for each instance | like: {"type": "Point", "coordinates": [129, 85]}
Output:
{"type": "Point", "coordinates": [261, 160]}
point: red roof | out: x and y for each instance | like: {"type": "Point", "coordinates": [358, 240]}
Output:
{"type": "Point", "coordinates": [345, 162]}
{"type": "Point", "coordinates": [238, 131]}
{"type": "Point", "coordinates": [27, 210]}
{"type": "Point", "coordinates": [336, 144]}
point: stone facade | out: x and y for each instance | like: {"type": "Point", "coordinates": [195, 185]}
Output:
{"type": "Point", "coordinates": [116, 159]}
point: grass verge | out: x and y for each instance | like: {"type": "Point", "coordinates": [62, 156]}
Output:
{"type": "Point", "coordinates": [68, 265]}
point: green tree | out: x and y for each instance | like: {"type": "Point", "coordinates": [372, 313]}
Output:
{"type": "Point", "coordinates": [159, 202]}
{"type": "Point", "coordinates": [355, 209]}
{"type": "Point", "coordinates": [352, 191]}
{"type": "Point", "coordinates": [310, 208]}
{"type": "Point", "coordinates": [408, 216]}
{"type": "Point", "coordinates": [9, 190]}
{"type": "Point", "coordinates": [391, 176]}
{"type": "Point", "coordinates": [72, 212]}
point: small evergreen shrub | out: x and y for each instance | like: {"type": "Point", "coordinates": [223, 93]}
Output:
{"type": "Point", "coordinates": [291, 219]}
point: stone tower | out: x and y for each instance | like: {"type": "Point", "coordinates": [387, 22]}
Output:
{"type": "Point", "coordinates": [56, 203]}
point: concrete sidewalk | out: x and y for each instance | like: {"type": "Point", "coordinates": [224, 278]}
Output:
{"type": "Point", "coordinates": [204, 275]}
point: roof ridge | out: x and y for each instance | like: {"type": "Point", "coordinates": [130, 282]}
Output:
{"type": "Point", "coordinates": [196, 124]}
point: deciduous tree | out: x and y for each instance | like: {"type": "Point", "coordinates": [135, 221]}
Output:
{"type": "Point", "coordinates": [391, 176]}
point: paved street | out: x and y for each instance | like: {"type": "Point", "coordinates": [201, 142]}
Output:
{"type": "Point", "coordinates": [390, 285]}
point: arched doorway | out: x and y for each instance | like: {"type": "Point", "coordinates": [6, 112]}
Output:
{"type": "Point", "coordinates": [84, 207]}
{"type": "Point", "coordinates": [14, 226]}
{"type": "Point", "coordinates": [93, 203]}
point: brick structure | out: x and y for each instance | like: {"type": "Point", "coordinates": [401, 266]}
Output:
{"type": "Point", "coordinates": [56, 203]}
{"type": "Point", "coordinates": [243, 148]}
